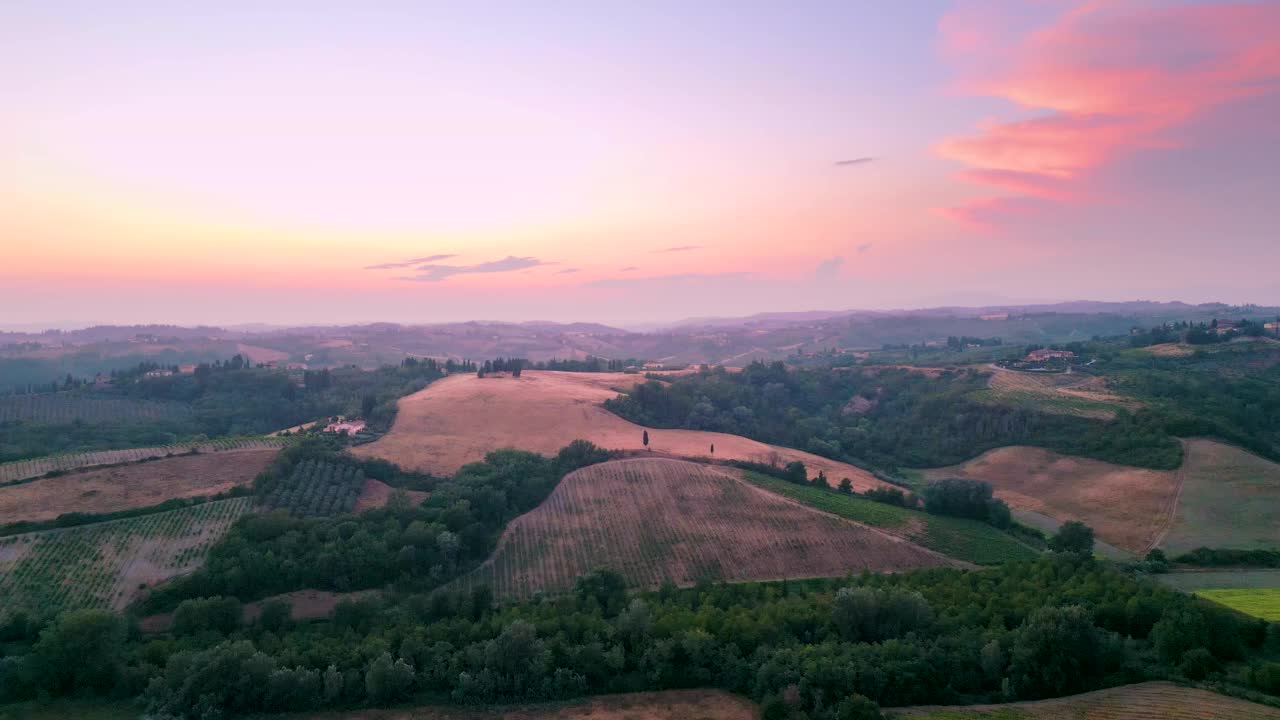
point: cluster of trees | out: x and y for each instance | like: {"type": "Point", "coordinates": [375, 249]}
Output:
{"type": "Point", "coordinates": [886, 418]}
{"type": "Point", "coordinates": [512, 365]}
{"type": "Point", "coordinates": [1225, 557]}
{"type": "Point", "coordinates": [420, 547]}
{"type": "Point", "coordinates": [962, 497]}
{"type": "Point", "coordinates": [820, 649]}
{"type": "Point", "coordinates": [590, 364]}
{"type": "Point", "coordinates": [1201, 333]}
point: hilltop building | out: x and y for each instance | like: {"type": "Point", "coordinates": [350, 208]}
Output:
{"type": "Point", "coordinates": [1047, 354]}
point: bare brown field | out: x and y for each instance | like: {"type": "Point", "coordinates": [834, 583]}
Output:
{"type": "Point", "coordinates": [136, 485]}
{"type": "Point", "coordinates": [663, 705]}
{"type": "Point", "coordinates": [660, 519]}
{"type": "Point", "coordinates": [459, 419]}
{"type": "Point", "coordinates": [1126, 506]}
{"type": "Point", "coordinates": [376, 493]}
{"type": "Point", "coordinates": [256, 354]}
{"type": "Point", "coordinates": [1144, 701]}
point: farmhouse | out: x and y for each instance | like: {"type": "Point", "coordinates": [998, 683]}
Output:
{"type": "Point", "coordinates": [187, 368]}
{"type": "Point", "coordinates": [350, 427]}
{"type": "Point", "coordinates": [1047, 354]}
{"type": "Point", "coordinates": [157, 373]}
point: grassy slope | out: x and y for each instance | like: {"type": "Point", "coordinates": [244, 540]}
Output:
{"type": "Point", "coordinates": [963, 539]}
{"type": "Point", "coordinates": [1229, 499]}
{"type": "Point", "coordinates": [1259, 602]}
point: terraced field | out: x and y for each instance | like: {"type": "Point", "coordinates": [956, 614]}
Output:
{"type": "Point", "coordinates": [656, 519]}
{"type": "Point", "coordinates": [21, 470]}
{"type": "Point", "coordinates": [107, 564]}
{"type": "Point", "coordinates": [1145, 701]}
{"type": "Point", "coordinates": [967, 540]}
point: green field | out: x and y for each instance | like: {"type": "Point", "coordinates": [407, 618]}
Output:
{"type": "Point", "coordinates": [1259, 602]}
{"type": "Point", "coordinates": [967, 540]}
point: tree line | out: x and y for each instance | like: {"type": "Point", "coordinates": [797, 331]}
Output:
{"type": "Point", "coordinates": [822, 649]}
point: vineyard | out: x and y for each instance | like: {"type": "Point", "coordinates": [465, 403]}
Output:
{"type": "Point", "coordinates": [64, 407]}
{"type": "Point", "coordinates": [316, 488]}
{"type": "Point", "coordinates": [968, 540]}
{"type": "Point", "coordinates": [107, 564]}
{"type": "Point", "coordinates": [658, 519]}
{"type": "Point", "coordinates": [1144, 701]}
{"type": "Point", "coordinates": [21, 470]}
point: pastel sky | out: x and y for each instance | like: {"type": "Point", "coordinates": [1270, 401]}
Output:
{"type": "Point", "coordinates": [317, 162]}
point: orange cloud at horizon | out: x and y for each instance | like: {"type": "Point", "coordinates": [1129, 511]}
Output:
{"type": "Point", "coordinates": [1106, 78]}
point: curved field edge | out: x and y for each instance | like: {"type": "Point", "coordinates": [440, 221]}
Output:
{"type": "Point", "coordinates": [109, 564]}
{"type": "Point", "coordinates": [1144, 701]}
{"type": "Point", "coordinates": [1221, 495]}
{"type": "Point", "coordinates": [462, 417]}
{"type": "Point", "coordinates": [704, 704]}
{"type": "Point", "coordinates": [18, 471]}
{"type": "Point", "coordinates": [656, 520]}
{"type": "Point", "coordinates": [966, 540]}
{"type": "Point", "coordinates": [105, 490]}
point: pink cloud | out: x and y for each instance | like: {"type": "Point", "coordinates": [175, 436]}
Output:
{"type": "Point", "coordinates": [1103, 77]}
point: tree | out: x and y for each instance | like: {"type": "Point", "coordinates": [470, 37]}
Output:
{"type": "Point", "coordinates": [276, 616]}
{"type": "Point", "coordinates": [1179, 632]}
{"type": "Point", "coordinates": [858, 707]}
{"type": "Point", "coordinates": [1073, 537]}
{"type": "Point", "coordinates": [82, 651]}
{"type": "Point", "coordinates": [846, 486]}
{"type": "Point", "coordinates": [796, 473]}
{"type": "Point", "coordinates": [367, 404]}
{"type": "Point", "coordinates": [388, 680]}
{"type": "Point", "coordinates": [1056, 650]}
{"type": "Point", "coordinates": [646, 438]}
{"type": "Point", "coordinates": [605, 587]}
{"type": "Point", "coordinates": [713, 448]}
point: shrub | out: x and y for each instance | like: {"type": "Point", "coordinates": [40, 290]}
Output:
{"type": "Point", "coordinates": [1073, 537]}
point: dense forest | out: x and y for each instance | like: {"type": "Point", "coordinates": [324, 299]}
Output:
{"type": "Point", "coordinates": [1061, 624]}
{"type": "Point", "coordinates": [224, 399]}
{"type": "Point", "coordinates": [886, 418]}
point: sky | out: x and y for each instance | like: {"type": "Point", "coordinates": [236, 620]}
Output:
{"type": "Point", "coordinates": [319, 163]}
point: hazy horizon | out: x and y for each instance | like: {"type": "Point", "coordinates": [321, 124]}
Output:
{"type": "Point", "coordinates": [631, 165]}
